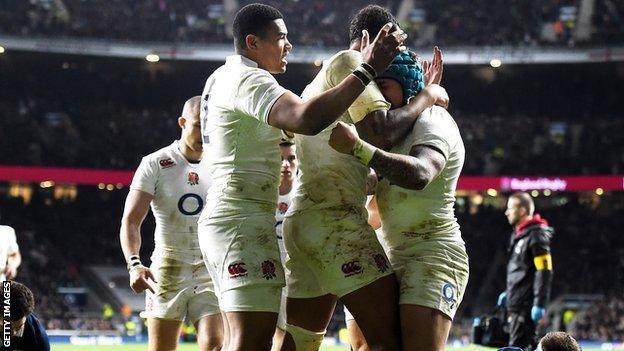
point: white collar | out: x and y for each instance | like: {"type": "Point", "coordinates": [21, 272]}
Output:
{"type": "Point", "coordinates": [237, 59]}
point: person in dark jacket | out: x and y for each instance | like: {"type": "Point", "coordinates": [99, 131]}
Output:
{"type": "Point", "coordinates": [27, 333]}
{"type": "Point", "coordinates": [529, 271]}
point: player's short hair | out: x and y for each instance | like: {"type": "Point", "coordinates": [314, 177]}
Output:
{"type": "Point", "coordinates": [372, 18]}
{"type": "Point", "coordinates": [252, 19]}
{"type": "Point", "coordinates": [22, 301]}
{"type": "Point", "coordinates": [191, 106]}
{"type": "Point", "coordinates": [559, 341]}
{"type": "Point", "coordinates": [524, 200]}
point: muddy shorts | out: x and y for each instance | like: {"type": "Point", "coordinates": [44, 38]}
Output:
{"type": "Point", "coordinates": [183, 290]}
{"type": "Point", "coordinates": [243, 254]}
{"type": "Point", "coordinates": [431, 273]}
{"type": "Point", "coordinates": [331, 252]}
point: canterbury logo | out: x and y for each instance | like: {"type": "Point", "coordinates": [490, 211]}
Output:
{"type": "Point", "coordinates": [351, 268]}
{"type": "Point", "coordinates": [237, 270]}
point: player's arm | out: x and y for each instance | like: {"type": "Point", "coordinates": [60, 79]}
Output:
{"type": "Point", "coordinates": [135, 210]}
{"type": "Point", "coordinates": [14, 258]}
{"type": "Point", "coordinates": [414, 171]}
{"type": "Point", "coordinates": [384, 129]}
{"type": "Point", "coordinates": [373, 213]}
{"type": "Point", "coordinates": [540, 249]}
{"type": "Point", "coordinates": [310, 117]}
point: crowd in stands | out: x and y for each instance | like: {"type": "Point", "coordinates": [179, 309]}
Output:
{"type": "Point", "coordinates": [104, 108]}
{"type": "Point", "coordinates": [316, 23]}
{"type": "Point", "coordinates": [521, 145]}
{"type": "Point", "coordinates": [602, 321]}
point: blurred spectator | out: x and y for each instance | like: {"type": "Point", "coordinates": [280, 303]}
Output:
{"type": "Point", "coordinates": [602, 321]}
{"type": "Point", "coordinates": [315, 22]}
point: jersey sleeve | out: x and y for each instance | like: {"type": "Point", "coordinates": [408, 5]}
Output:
{"type": "Point", "coordinates": [146, 176]}
{"type": "Point", "coordinates": [434, 129]}
{"type": "Point", "coordinates": [257, 93]}
{"type": "Point", "coordinates": [370, 99]}
{"type": "Point", "coordinates": [13, 247]}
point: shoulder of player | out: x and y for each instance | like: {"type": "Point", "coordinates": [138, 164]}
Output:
{"type": "Point", "coordinates": [342, 58]}
{"type": "Point", "coordinates": [5, 229]}
{"type": "Point", "coordinates": [163, 158]}
{"type": "Point", "coordinates": [436, 116]}
{"type": "Point", "coordinates": [250, 74]}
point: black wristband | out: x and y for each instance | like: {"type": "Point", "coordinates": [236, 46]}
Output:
{"type": "Point", "coordinates": [362, 77]}
{"type": "Point", "coordinates": [369, 69]}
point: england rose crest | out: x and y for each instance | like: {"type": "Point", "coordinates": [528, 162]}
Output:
{"type": "Point", "coordinates": [268, 270]}
{"type": "Point", "coordinates": [193, 178]}
{"type": "Point", "coordinates": [380, 261]}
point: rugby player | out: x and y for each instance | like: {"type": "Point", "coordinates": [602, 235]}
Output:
{"type": "Point", "coordinates": [10, 257]}
{"type": "Point", "coordinates": [244, 110]}
{"type": "Point", "coordinates": [288, 183]}
{"type": "Point", "coordinates": [415, 200]}
{"type": "Point", "coordinates": [332, 251]}
{"type": "Point", "coordinates": [177, 282]}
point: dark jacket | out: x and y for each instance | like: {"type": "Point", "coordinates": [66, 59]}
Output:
{"type": "Point", "coordinates": [34, 338]}
{"type": "Point", "coordinates": [526, 286]}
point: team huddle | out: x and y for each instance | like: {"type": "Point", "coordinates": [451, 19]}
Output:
{"type": "Point", "coordinates": [256, 251]}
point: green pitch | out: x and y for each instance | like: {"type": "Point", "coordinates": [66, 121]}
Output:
{"type": "Point", "coordinates": [192, 347]}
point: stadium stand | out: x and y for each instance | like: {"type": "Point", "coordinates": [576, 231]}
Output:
{"type": "Point", "coordinates": [321, 24]}
{"type": "Point", "coordinates": [62, 110]}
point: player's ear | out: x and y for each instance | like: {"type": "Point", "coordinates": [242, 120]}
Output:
{"type": "Point", "coordinates": [181, 122]}
{"type": "Point", "coordinates": [251, 42]}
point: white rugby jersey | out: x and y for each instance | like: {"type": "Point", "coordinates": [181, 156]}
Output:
{"type": "Point", "coordinates": [178, 187]}
{"type": "Point", "coordinates": [328, 178]}
{"type": "Point", "coordinates": [243, 156]}
{"type": "Point", "coordinates": [283, 204]}
{"type": "Point", "coordinates": [427, 213]}
{"type": "Point", "coordinates": [8, 244]}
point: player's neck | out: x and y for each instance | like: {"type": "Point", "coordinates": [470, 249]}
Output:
{"type": "Point", "coordinates": [190, 155]}
{"type": "Point", "coordinates": [286, 186]}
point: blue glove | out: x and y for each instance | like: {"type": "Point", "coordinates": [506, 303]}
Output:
{"type": "Point", "coordinates": [502, 299]}
{"type": "Point", "coordinates": [537, 313]}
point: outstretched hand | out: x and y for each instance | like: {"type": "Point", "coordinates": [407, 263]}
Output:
{"type": "Point", "coordinates": [380, 53]}
{"type": "Point", "coordinates": [432, 72]}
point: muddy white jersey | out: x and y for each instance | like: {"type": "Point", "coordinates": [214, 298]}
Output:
{"type": "Point", "coordinates": [8, 245]}
{"type": "Point", "coordinates": [178, 187]}
{"type": "Point", "coordinates": [328, 178]}
{"type": "Point", "coordinates": [243, 156]}
{"type": "Point", "coordinates": [427, 213]}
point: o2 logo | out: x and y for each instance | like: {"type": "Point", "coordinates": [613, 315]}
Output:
{"type": "Point", "coordinates": [190, 207]}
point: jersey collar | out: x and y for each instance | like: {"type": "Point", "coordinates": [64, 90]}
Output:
{"type": "Point", "coordinates": [240, 59]}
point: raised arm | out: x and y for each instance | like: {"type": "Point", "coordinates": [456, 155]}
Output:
{"type": "Point", "coordinates": [310, 117]}
{"type": "Point", "coordinates": [384, 129]}
{"type": "Point", "coordinates": [414, 171]}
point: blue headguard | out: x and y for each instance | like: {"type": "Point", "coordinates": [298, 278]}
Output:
{"type": "Point", "coordinates": [405, 70]}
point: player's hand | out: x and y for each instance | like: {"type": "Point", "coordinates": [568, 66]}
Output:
{"type": "Point", "coordinates": [380, 53]}
{"type": "Point", "coordinates": [10, 271]}
{"type": "Point", "coordinates": [343, 137]}
{"type": "Point", "coordinates": [432, 72]}
{"type": "Point", "coordinates": [437, 95]}
{"type": "Point", "coordinates": [140, 277]}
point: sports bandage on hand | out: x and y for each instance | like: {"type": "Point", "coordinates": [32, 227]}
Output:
{"type": "Point", "coordinates": [363, 151]}
{"type": "Point", "coordinates": [134, 262]}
